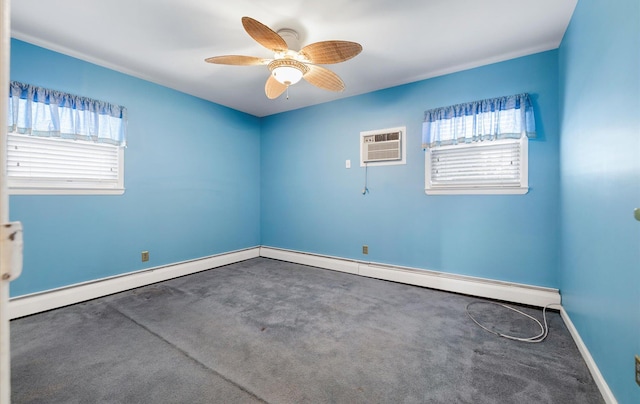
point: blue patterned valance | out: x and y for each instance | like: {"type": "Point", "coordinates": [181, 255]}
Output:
{"type": "Point", "coordinates": [508, 117]}
{"type": "Point", "coordinates": [40, 111]}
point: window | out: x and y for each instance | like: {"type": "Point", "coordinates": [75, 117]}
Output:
{"type": "Point", "coordinates": [479, 147]}
{"type": "Point", "coordinates": [39, 165]}
{"type": "Point", "coordinates": [60, 143]}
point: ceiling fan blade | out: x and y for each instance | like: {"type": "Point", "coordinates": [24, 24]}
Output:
{"type": "Point", "coordinates": [237, 60]}
{"type": "Point", "coordinates": [324, 78]}
{"type": "Point", "coordinates": [264, 35]}
{"type": "Point", "coordinates": [328, 52]}
{"type": "Point", "coordinates": [273, 88]}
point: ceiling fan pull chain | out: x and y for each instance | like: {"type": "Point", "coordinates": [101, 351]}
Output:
{"type": "Point", "coordinates": [287, 92]}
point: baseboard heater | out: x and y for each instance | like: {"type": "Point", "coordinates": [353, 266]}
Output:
{"type": "Point", "coordinates": [481, 287]}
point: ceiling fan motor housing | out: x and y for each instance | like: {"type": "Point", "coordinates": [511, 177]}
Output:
{"type": "Point", "coordinates": [291, 38]}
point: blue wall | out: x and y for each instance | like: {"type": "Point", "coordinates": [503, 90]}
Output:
{"type": "Point", "coordinates": [311, 203]}
{"type": "Point", "coordinates": [192, 179]}
{"type": "Point", "coordinates": [600, 185]}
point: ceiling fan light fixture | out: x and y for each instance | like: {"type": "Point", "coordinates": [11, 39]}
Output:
{"type": "Point", "coordinates": [288, 71]}
{"type": "Point", "coordinates": [287, 75]}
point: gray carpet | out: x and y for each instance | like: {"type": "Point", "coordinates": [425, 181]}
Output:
{"type": "Point", "coordinates": [269, 331]}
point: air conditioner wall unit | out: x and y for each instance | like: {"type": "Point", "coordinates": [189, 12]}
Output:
{"type": "Point", "coordinates": [383, 147]}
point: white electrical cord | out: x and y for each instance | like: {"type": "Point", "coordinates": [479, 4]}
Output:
{"type": "Point", "coordinates": [544, 329]}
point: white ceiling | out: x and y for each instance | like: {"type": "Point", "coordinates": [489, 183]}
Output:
{"type": "Point", "coordinates": [166, 41]}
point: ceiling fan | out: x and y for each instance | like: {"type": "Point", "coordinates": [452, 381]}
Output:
{"type": "Point", "coordinates": [288, 66]}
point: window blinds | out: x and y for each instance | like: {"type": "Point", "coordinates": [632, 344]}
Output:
{"type": "Point", "coordinates": [495, 164]}
{"type": "Point", "coordinates": [38, 161]}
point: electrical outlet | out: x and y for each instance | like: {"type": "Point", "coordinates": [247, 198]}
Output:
{"type": "Point", "coordinates": [365, 249]}
{"type": "Point", "coordinates": [638, 370]}
{"type": "Point", "coordinates": [145, 256]}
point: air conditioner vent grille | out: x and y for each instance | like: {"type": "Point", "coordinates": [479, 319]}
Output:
{"type": "Point", "coordinates": [383, 137]}
{"type": "Point", "coordinates": [384, 151]}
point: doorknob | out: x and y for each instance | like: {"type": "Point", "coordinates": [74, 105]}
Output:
{"type": "Point", "coordinates": [636, 214]}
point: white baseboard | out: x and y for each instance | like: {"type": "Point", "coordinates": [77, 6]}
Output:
{"type": "Point", "coordinates": [320, 261]}
{"type": "Point", "coordinates": [510, 292]}
{"type": "Point", "coordinates": [38, 302]}
{"type": "Point", "coordinates": [606, 392]}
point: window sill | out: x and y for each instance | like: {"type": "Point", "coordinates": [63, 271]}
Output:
{"type": "Point", "coordinates": [477, 191]}
{"type": "Point", "coordinates": [66, 191]}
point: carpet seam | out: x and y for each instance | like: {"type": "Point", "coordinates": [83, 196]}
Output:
{"type": "Point", "coordinates": [186, 354]}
